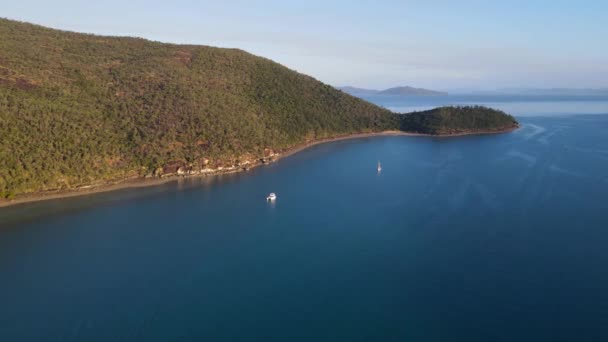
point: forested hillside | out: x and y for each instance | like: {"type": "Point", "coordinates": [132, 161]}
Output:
{"type": "Point", "coordinates": [77, 109]}
{"type": "Point", "coordinates": [458, 120]}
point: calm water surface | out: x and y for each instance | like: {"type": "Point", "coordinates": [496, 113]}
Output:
{"type": "Point", "coordinates": [482, 238]}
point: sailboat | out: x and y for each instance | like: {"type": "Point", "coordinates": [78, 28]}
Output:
{"type": "Point", "coordinates": [379, 167]}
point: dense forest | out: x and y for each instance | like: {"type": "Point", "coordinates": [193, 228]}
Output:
{"type": "Point", "coordinates": [76, 108]}
{"type": "Point", "coordinates": [79, 109]}
{"type": "Point", "coordinates": [457, 120]}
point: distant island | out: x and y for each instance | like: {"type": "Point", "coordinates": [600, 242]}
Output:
{"type": "Point", "coordinates": [396, 91]}
{"type": "Point", "coordinates": [80, 111]}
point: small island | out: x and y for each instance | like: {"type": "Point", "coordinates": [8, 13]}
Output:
{"type": "Point", "coordinates": [458, 120]}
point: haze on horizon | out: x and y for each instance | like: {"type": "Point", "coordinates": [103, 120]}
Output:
{"type": "Point", "coordinates": [472, 45]}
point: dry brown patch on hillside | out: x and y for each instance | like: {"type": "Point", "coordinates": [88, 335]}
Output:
{"type": "Point", "coordinates": [184, 57]}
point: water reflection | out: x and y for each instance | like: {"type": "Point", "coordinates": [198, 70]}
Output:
{"type": "Point", "coordinates": [35, 211]}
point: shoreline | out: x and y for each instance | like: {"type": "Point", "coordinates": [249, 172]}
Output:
{"type": "Point", "coordinates": [139, 182]}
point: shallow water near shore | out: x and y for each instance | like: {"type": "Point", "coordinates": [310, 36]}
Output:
{"type": "Point", "coordinates": [478, 238]}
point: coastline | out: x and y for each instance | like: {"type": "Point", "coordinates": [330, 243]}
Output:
{"type": "Point", "coordinates": [139, 182]}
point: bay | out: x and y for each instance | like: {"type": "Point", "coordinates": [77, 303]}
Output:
{"type": "Point", "coordinates": [497, 237]}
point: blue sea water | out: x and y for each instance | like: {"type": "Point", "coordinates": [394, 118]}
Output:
{"type": "Point", "coordinates": [519, 105]}
{"type": "Point", "coordinates": [478, 238]}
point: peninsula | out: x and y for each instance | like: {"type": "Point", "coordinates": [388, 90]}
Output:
{"type": "Point", "coordinates": [458, 120]}
{"type": "Point", "coordinates": [81, 112]}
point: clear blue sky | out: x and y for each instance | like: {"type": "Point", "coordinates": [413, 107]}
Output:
{"type": "Point", "coordinates": [435, 44]}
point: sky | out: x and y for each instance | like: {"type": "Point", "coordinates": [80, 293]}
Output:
{"type": "Point", "coordinates": [444, 45]}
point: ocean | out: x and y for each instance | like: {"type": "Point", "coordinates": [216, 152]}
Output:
{"type": "Point", "coordinates": [476, 238]}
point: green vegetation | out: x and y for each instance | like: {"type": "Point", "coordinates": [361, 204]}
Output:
{"type": "Point", "coordinates": [458, 120]}
{"type": "Point", "coordinates": [78, 109]}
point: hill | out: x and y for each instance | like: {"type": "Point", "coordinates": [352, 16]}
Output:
{"type": "Point", "coordinates": [79, 109]}
{"type": "Point", "coordinates": [411, 91]}
{"type": "Point", "coordinates": [458, 120]}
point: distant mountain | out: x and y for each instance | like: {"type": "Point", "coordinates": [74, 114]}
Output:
{"type": "Point", "coordinates": [411, 91]}
{"type": "Point", "coordinates": [398, 91]}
